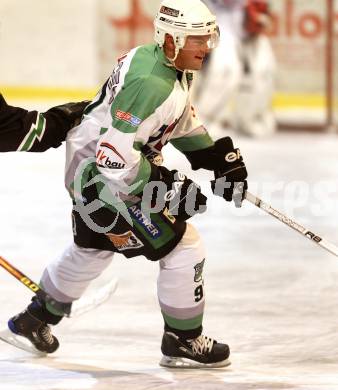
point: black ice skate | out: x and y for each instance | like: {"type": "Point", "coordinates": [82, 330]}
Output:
{"type": "Point", "coordinates": [197, 353]}
{"type": "Point", "coordinates": [37, 332]}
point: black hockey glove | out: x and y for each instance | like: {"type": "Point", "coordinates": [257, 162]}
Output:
{"type": "Point", "coordinates": [228, 166]}
{"type": "Point", "coordinates": [183, 197]}
{"type": "Point", "coordinates": [230, 176]}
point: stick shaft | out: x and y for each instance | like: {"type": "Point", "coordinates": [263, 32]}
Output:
{"type": "Point", "coordinates": [34, 287]}
{"type": "Point", "coordinates": [291, 223]}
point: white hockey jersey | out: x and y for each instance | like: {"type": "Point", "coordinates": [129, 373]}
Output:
{"type": "Point", "coordinates": [144, 104]}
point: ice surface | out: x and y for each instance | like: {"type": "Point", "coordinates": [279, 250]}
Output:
{"type": "Point", "coordinates": [271, 294]}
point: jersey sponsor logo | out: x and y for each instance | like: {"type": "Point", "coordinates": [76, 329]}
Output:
{"type": "Point", "coordinates": [156, 159]}
{"type": "Point", "coordinates": [113, 149]}
{"type": "Point", "coordinates": [199, 271]}
{"type": "Point", "coordinates": [125, 241]}
{"type": "Point", "coordinates": [169, 11]}
{"type": "Point", "coordinates": [153, 156]}
{"type": "Point", "coordinates": [104, 160]}
{"type": "Point", "coordinates": [149, 226]}
{"type": "Point", "coordinates": [128, 117]}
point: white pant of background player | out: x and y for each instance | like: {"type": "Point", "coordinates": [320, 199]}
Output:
{"type": "Point", "coordinates": [238, 84]}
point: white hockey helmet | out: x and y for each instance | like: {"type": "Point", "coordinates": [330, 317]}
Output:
{"type": "Point", "coordinates": [181, 18]}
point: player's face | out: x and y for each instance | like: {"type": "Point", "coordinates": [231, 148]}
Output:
{"type": "Point", "coordinates": [193, 53]}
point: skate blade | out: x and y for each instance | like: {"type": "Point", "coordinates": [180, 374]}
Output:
{"type": "Point", "coordinates": [180, 362]}
{"type": "Point", "coordinates": [19, 342]}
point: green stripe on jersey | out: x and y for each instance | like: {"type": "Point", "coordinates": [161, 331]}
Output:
{"type": "Point", "coordinates": [190, 144]}
{"type": "Point", "coordinates": [147, 85]}
{"type": "Point", "coordinates": [36, 131]}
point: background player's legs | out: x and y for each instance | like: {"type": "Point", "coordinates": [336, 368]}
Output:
{"type": "Point", "coordinates": [215, 87]}
{"type": "Point", "coordinates": [257, 119]}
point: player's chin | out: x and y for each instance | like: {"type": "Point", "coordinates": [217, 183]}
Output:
{"type": "Point", "coordinates": [197, 64]}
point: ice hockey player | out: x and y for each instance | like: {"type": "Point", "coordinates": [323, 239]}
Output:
{"type": "Point", "coordinates": [242, 70]}
{"type": "Point", "coordinates": [31, 131]}
{"type": "Point", "coordinates": [116, 149]}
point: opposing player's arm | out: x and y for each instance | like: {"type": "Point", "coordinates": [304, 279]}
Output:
{"type": "Point", "coordinates": [31, 131]}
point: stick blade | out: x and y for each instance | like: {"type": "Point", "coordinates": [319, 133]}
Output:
{"type": "Point", "coordinates": [94, 299]}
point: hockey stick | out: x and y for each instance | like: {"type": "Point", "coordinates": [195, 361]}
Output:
{"type": "Point", "coordinates": [83, 305]}
{"type": "Point", "coordinates": [64, 308]}
{"type": "Point", "coordinates": [91, 301]}
{"type": "Point", "coordinates": [292, 224]}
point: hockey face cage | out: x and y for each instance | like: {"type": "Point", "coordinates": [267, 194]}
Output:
{"type": "Point", "coordinates": [183, 18]}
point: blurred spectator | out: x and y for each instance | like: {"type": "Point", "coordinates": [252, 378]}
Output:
{"type": "Point", "coordinates": [237, 84]}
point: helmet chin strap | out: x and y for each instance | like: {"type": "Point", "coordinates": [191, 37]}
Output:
{"type": "Point", "coordinates": [172, 60]}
